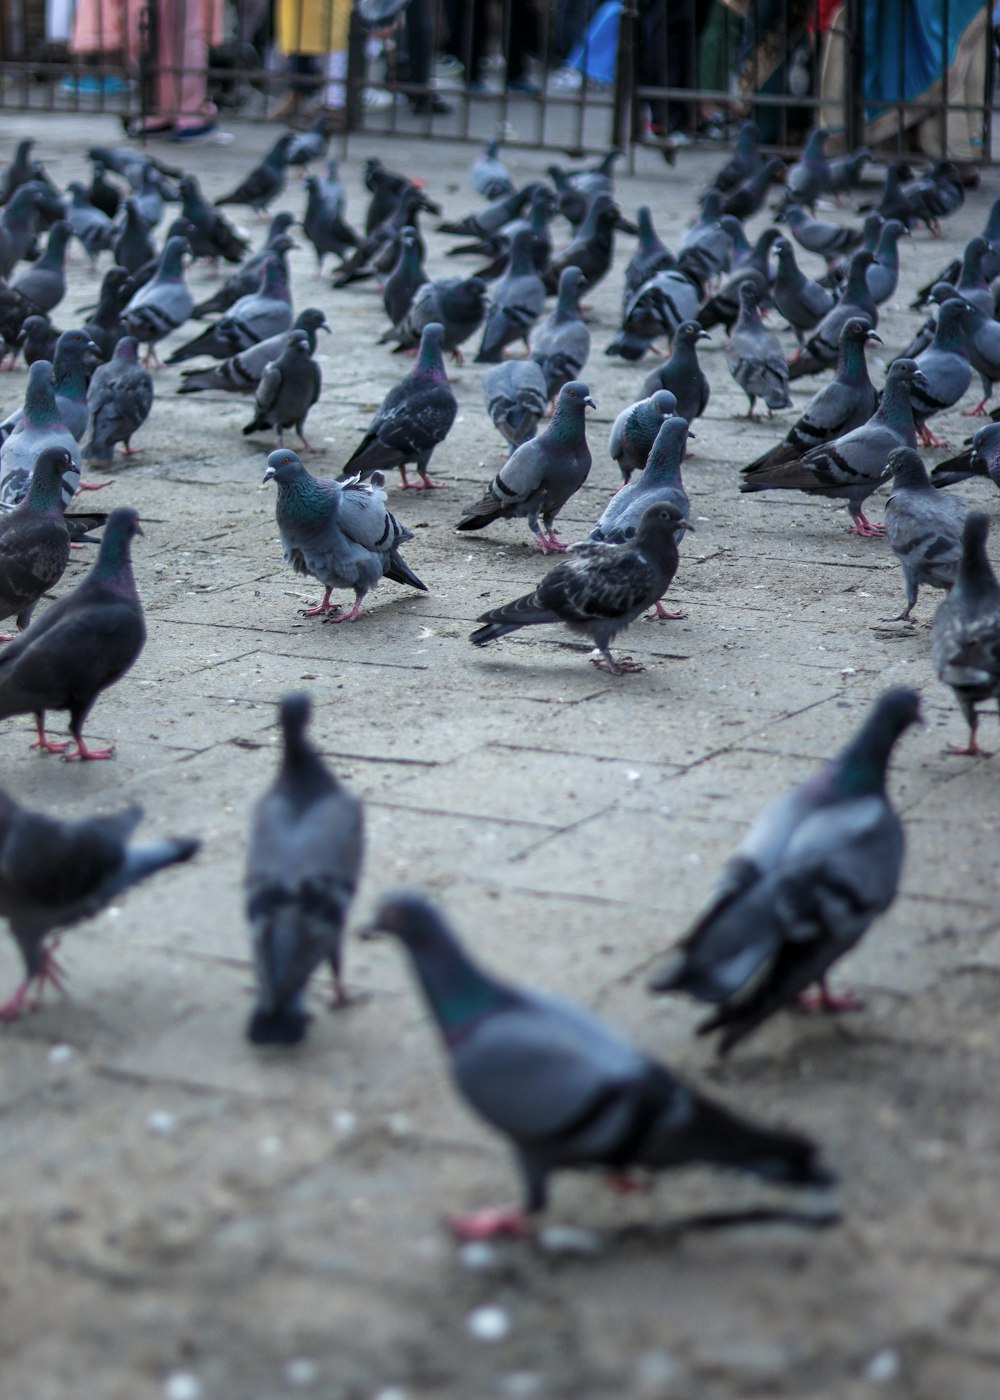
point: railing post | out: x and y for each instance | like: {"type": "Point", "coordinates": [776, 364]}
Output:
{"type": "Point", "coordinates": [854, 121]}
{"type": "Point", "coordinates": [622, 110]}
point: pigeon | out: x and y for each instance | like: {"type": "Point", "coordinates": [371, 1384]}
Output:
{"type": "Point", "coordinates": [83, 643]}
{"type": "Point", "coordinates": [755, 357]}
{"type": "Point", "coordinates": [387, 188]}
{"type": "Point", "coordinates": [401, 285]}
{"type": "Point", "coordinates": [263, 313]}
{"type": "Point", "coordinates": [882, 276]}
{"type": "Point", "coordinates": [823, 346]}
{"type": "Point", "coordinates": [324, 222]}
{"type": "Point", "coordinates": [163, 304]}
{"type": "Point", "coordinates": [538, 222]}
{"type": "Point", "coordinates": [491, 219]}
{"type": "Point", "coordinates": [850, 467]}
{"type": "Point", "coordinates": [814, 871]}
{"type": "Point", "coordinates": [945, 368]}
{"type": "Point", "coordinates": [242, 373]}
{"type": "Point", "coordinates": [635, 429]}
{"type": "Point", "coordinates": [516, 303]}
{"type": "Point", "coordinates": [599, 588]}
{"type": "Point", "coordinates": [748, 196]}
{"type": "Point", "coordinates": [809, 177]}
{"type": "Point", "coordinates": [69, 381]}
{"type": "Point", "coordinates": [592, 248]}
{"type": "Point", "coordinates": [967, 274]}
{"type": "Point", "coordinates": [55, 873]}
{"type": "Point", "coordinates": [663, 304]}
{"type": "Point", "coordinates": [303, 866]}
{"type": "Point", "coordinates": [871, 231]}
{"type": "Point", "coordinates": [744, 160]}
{"type": "Point", "coordinates": [380, 250]}
{"type": "Point", "coordinates": [311, 144]}
{"type": "Point", "coordinates": [560, 343]}
{"type": "Point", "coordinates": [458, 304]}
{"type": "Point", "coordinates": [923, 527]}
{"type": "Point", "coordinates": [567, 1090]}
{"type": "Point", "coordinates": [132, 165]}
{"type": "Point", "coordinates": [214, 236]}
{"type": "Point", "coordinates": [133, 246]}
{"type": "Point", "coordinates": [339, 533]}
{"type": "Point", "coordinates": [894, 203]}
{"type": "Point", "coordinates": [266, 181]}
{"type": "Point", "coordinates": [18, 172]}
{"type": "Point", "coordinates": [489, 174]}
{"type": "Point", "coordinates": [935, 196]}
{"type": "Point", "coordinates": [19, 225]}
{"type": "Point", "coordinates": [845, 171]}
{"type": "Point", "coordinates": [37, 340]}
{"type": "Point", "coordinates": [43, 286]}
{"type": "Point", "coordinates": [982, 342]}
{"type": "Point", "coordinates": [965, 634]}
{"type": "Point", "coordinates": [102, 194]}
{"type": "Point", "coordinates": [650, 257]}
{"type": "Point", "coordinates": [801, 301]}
{"type": "Point", "coordinates": [34, 540]}
{"type": "Point", "coordinates": [148, 193]}
{"type": "Point", "coordinates": [981, 458]}
{"type": "Point", "coordinates": [94, 229]}
{"type": "Point", "coordinates": [38, 427]}
{"type": "Point", "coordinates": [707, 241]}
{"type": "Point", "coordinates": [724, 307]}
{"type": "Point", "coordinates": [541, 475]}
{"type": "Point", "coordinates": [287, 390]}
{"type": "Point", "coordinates": [818, 235]}
{"type": "Point", "coordinates": [246, 279]}
{"type": "Point", "coordinates": [119, 398]}
{"type": "Point", "coordinates": [682, 374]}
{"type": "Point", "coordinates": [106, 327]}
{"type": "Point", "coordinates": [845, 403]}
{"type": "Point", "coordinates": [660, 480]}
{"type": "Point", "coordinates": [516, 398]}
{"type": "Point", "coordinates": [415, 416]}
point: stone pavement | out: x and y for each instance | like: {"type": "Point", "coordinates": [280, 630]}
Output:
{"type": "Point", "coordinates": [183, 1216]}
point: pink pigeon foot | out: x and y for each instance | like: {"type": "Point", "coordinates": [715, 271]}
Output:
{"type": "Point", "coordinates": [825, 1000]}
{"type": "Point", "coordinates": [84, 754]}
{"type": "Point", "coordinates": [928, 439]}
{"type": "Point", "coordinates": [335, 615]}
{"type": "Point", "coordinates": [549, 544]}
{"type": "Point", "coordinates": [971, 749]}
{"type": "Point", "coordinates": [129, 451]}
{"type": "Point", "coordinates": [624, 1185]}
{"type": "Point", "coordinates": [15, 1004]}
{"type": "Point", "coordinates": [618, 666]}
{"type": "Point", "coordinates": [487, 1224]}
{"type": "Point", "coordinates": [866, 528]}
{"type": "Point", "coordinates": [47, 745]}
{"type": "Point", "coordinates": [92, 485]}
{"type": "Point", "coordinates": [665, 615]}
{"type": "Point", "coordinates": [457, 358]}
{"type": "Point", "coordinates": [7, 636]}
{"type": "Point", "coordinates": [978, 410]}
{"type": "Point", "coordinates": [323, 606]}
{"type": "Point", "coordinates": [424, 484]}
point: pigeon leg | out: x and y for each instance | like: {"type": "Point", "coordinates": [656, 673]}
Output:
{"type": "Point", "coordinates": [825, 1000]}
{"type": "Point", "coordinates": [336, 615]}
{"type": "Point", "coordinates": [85, 754]}
{"type": "Point", "coordinates": [92, 485]}
{"type": "Point", "coordinates": [485, 1224]}
{"type": "Point", "coordinates": [606, 662]}
{"type": "Point", "coordinates": [457, 358]}
{"type": "Point", "coordinates": [129, 451]}
{"type": "Point", "coordinates": [14, 1005]}
{"type": "Point", "coordinates": [624, 1185]}
{"type": "Point", "coordinates": [50, 971]}
{"type": "Point", "coordinates": [7, 636]}
{"type": "Point", "coordinates": [47, 745]}
{"type": "Point", "coordinates": [928, 439]}
{"type": "Point", "coordinates": [665, 615]}
{"type": "Point", "coordinates": [978, 410]}
{"type": "Point", "coordinates": [151, 359]}
{"type": "Point", "coordinates": [867, 529]}
{"type": "Point", "coordinates": [549, 543]}
{"type": "Point", "coordinates": [424, 484]}
{"type": "Point", "coordinates": [323, 606]}
{"type": "Point", "coordinates": [971, 749]}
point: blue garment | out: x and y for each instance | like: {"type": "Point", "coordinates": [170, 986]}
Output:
{"type": "Point", "coordinates": [594, 56]}
{"type": "Point", "coordinates": [897, 70]}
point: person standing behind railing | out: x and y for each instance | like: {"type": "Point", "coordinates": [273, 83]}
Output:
{"type": "Point", "coordinates": [317, 29]}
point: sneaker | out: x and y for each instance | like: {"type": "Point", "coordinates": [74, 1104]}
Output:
{"type": "Point", "coordinates": [194, 135]}
{"type": "Point", "coordinates": [375, 98]}
{"type": "Point", "coordinates": [448, 66]}
{"type": "Point", "coordinates": [566, 80]}
{"type": "Point", "coordinates": [90, 85]}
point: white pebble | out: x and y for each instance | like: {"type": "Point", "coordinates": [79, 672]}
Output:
{"type": "Point", "coordinates": [301, 1371]}
{"type": "Point", "coordinates": [182, 1386]}
{"type": "Point", "coordinates": [884, 1366]}
{"type": "Point", "coordinates": [61, 1054]}
{"type": "Point", "coordinates": [488, 1324]}
{"type": "Point", "coordinates": [161, 1123]}
{"type": "Point", "coordinates": [565, 1239]}
{"type": "Point", "coordinates": [478, 1256]}
{"type": "Point", "coordinates": [344, 1122]}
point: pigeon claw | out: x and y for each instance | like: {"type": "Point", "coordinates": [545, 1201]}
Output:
{"type": "Point", "coordinates": [15, 1004]}
{"type": "Point", "coordinates": [487, 1224]}
{"type": "Point", "coordinates": [978, 410]}
{"type": "Point", "coordinates": [604, 661]}
{"type": "Point", "coordinates": [84, 754]}
{"type": "Point", "coordinates": [824, 1000]}
{"type": "Point", "coordinates": [866, 528]}
{"type": "Point", "coordinates": [928, 439]}
{"type": "Point", "coordinates": [665, 615]}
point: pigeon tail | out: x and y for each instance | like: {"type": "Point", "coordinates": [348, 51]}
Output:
{"type": "Point", "coordinates": [400, 572]}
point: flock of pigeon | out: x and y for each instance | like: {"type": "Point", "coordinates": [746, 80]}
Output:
{"type": "Point", "coordinates": [815, 869]}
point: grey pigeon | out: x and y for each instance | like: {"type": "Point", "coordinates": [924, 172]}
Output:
{"type": "Point", "coordinates": [935, 195]}
{"type": "Point", "coordinates": [592, 247]}
{"type": "Point", "coordinates": [43, 286]}
{"type": "Point", "coordinates": [542, 474]}
{"type": "Point", "coordinates": [748, 197]}
{"type": "Point", "coordinates": [537, 222]}
{"type": "Point", "coordinates": [801, 301]}
{"type": "Point", "coordinates": [965, 637]}
{"type": "Point", "coordinates": [980, 458]}
{"type": "Point", "coordinates": [982, 340]}
{"type": "Point", "coordinates": [650, 257]}
{"type": "Point", "coordinates": [133, 246]}
{"type": "Point", "coordinates": [94, 229]}
{"type": "Point", "coordinates": [599, 588]}
{"type": "Point", "coordinates": [163, 304]}
{"type": "Point", "coordinates": [489, 174]}
{"type": "Point", "coordinates": [307, 146]}
{"type": "Point", "coordinates": [846, 402]}
{"type": "Point", "coordinates": [212, 235]}
{"type": "Point", "coordinates": [81, 645]}
{"type": "Point", "coordinates": [458, 304]}
{"type": "Point", "coordinates": [19, 170]}
{"type": "Point", "coordinates": [39, 426]}
{"type": "Point", "coordinates": [845, 171]}
{"type": "Point", "coordinates": [303, 865]}
{"type": "Point", "coordinates": [263, 313]}
{"type": "Point", "coordinates": [516, 303]}
{"type": "Point", "coordinates": [515, 399]}
{"type": "Point", "coordinates": [119, 398]}
{"type": "Point", "coordinates": [946, 370]}
{"type": "Point", "coordinates": [34, 540]}
{"type": "Point", "coordinates": [106, 327]}
{"type": "Point", "coordinates": [819, 235]}
{"type": "Point", "coordinates": [287, 390]}
{"type": "Point", "coordinates": [37, 340]}
{"type": "Point", "coordinates": [681, 373]}
{"type": "Point", "coordinates": [55, 873]}
{"type": "Point", "coordinates": [635, 430]}
{"type": "Point", "coordinates": [69, 380]}
{"type": "Point", "coordinates": [809, 177]}
{"type": "Point", "coordinates": [324, 222]}
{"type": "Point", "coordinates": [265, 181]}
{"type": "Point", "coordinates": [560, 343]}
{"type": "Point", "coordinates": [923, 527]}
{"type": "Point", "coordinates": [755, 357]}
{"type": "Point", "coordinates": [415, 416]}
{"type": "Point", "coordinates": [242, 373]}
{"type": "Point", "coordinates": [567, 1091]}
{"type": "Point", "coordinates": [883, 275]}
{"type": "Point", "coordinates": [816, 868]}
{"type": "Point", "coordinates": [662, 305]}
{"type": "Point", "coordinates": [19, 225]}
{"type": "Point", "coordinates": [246, 279]}
{"type": "Point", "coordinates": [745, 158]}
{"type": "Point", "coordinates": [401, 285]}
{"type": "Point", "coordinates": [823, 346]}
{"type": "Point", "coordinates": [850, 467]}
{"type": "Point", "coordinates": [491, 219]}
{"type": "Point", "coordinates": [724, 307]}
{"type": "Point", "coordinates": [339, 533]}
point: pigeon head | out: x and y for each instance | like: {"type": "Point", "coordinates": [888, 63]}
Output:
{"type": "Point", "coordinates": [858, 331]}
{"type": "Point", "coordinates": [283, 466]}
{"type": "Point", "coordinates": [312, 320]}
{"type": "Point", "coordinates": [40, 396]}
{"type": "Point", "coordinates": [985, 442]}
{"type": "Point", "coordinates": [662, 521]}
{"type": "Point", "coordinates": [45, 486]}
{"type": "Point", "coordinates": [409, 237]}
{"type": "Point", "coordinates": [575, 396]}
{"type": "Point", "coordinates": [298, 344]}
{"type": "Point", "coordinates": [429, 359]}
{"type": "Point", "coordinates": [294, 711]}
{"type": "Point", "coordinates": [975, 565]}
{"type": "Point", "coordinates": [664, 402]}
{"type": "Point", "coordinates": [127, 349]}
{"type": "Point", "coordinates": [114, 558]}
{"type": "Point", "coordinates": [862, 765]}
{"type": "Point", "coordinates": [748, 296]}
{"type": "Point", "coordinates": [905, 465]}
{"type": "Point", "coordinates": [690, 332]}
{"type": "Point", "coordinates": [942, 292]}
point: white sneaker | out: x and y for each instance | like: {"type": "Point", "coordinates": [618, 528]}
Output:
{"type": "Point", "coordinates": [376, 98]}
{"type": "Point", "coordinates": [566, 80]}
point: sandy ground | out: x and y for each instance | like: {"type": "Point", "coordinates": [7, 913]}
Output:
{"type": "Point", "coordinates": [184, 1217]}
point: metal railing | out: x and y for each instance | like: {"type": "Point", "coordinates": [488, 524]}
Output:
{"type": "Point", "coordinates": [561, 74]}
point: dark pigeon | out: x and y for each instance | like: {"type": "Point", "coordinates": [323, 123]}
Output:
{"type": "Point", "coordinates": [18, 172]}
{"type": "Point", "coordinates": [981, 457]}
{"type": "Point", "coordinates": [120, 398]}
{"type": "Point", "coordinates": [311, 144]}
{"type": "Point", "coordinates": [801, 301]}
{"type": "Point", "coordinates": [82, 644]}
{"type": "Point", "coordinates": [946, 370]}
{"type": "Point", "coordinates": [592, 249]}
{"type": "Point", "coordinates": [106, 326]}
{"type": "Point", "coordinates": [94, 229]}
{"type": "Point", "coordinates": [682, 374]}
{"type": "Point", "coordinates": [324, 222]}
{"type": "Point", "coordinates": [246, 279]}
{"type": "Point", "coordinates": [515, 399]}
{"type": "Point", "coordinates": [724, 307]}
{"type": "Point", "coordinates": [37, 340]}
{"type": "Point", "coordinates": [401, 285]}
{"type": "Point", "coordinates": [823, 346]}
{"type": "Point", "coordinates": [755, 357]}
{"type": "Point", "coordinates": [133, 246]}
{"type": "Point", "coordinates": [458, 304]}
{"type": "Point", "coordinates": [923, 527]}
{"type": "Point", "coordinates": [34, 540]}
{"type": "Point", "coordinates": [816, 868]}
{"type": "Point", "coordinates": [288, 388]}
{"type": "Point", "coordinates": [43, 286]}
{"type": "Point", "coordinates": [560, 342]}
{"type": "Point", "coordinates": [263, 313]}
{"type": "Point", "coordinates": [965, 637]}
{"type": "Point", "coordinates": [265, 181]}
{"type": "Point", "coordinates": [516, 302]}
{"type": "Point", "coordinates": [635, 430]}
{"type": "Point", "coordinates": [743, 162]}
{"type": "Point", "coordinates": [341, 534]}
{"type": "Point", "coordinates": [242, 373]}
{"type": "Point", "coordinates": [650, 257]}
{"type": "Point", "coordinates": [102, 194]}
{"type": "Point", "coordinates": [214, 235]}
{"type": "Point", "coordinates": [387, 188]}
{"type": "Point", "coordinates": [303, 865]}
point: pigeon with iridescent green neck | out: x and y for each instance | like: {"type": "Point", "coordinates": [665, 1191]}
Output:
{"type": "Point", "coordinates": [816, 868]}
{"type": "Point", "coordinates": [34, 540]}
{"type": "Point", "coordinates": [681, 373]}
{"type": "Point", "coordinates": [650, 257]}
{"type": "Point", "coordinates": [458, 304]}
{"type": "Point", "coordinates": [823, 346]}
{"type": "Point", "coordinates": [163, 303]}
{"type": "Point", "coordinates": [883, 275]}
{"type": "Point", "coordinates": [560, 342]}
{"type": "Point", "coordinates": [69, 379]}
{"type": "Point", "coordinates": [43, 286]}
{"type": "Point", "coordinates": [946, 370]}
{"type": "Point", "coordinates": [81, 645]}
{"type": "Point", "coordinates": [119, 398]}
{"type": "Point", "coordinates": [39, 426]}
{"type": "Point", "coordinates": [401, 285]}
{"type": "Point", "coordinates": [516, 302]}
{"type": "Point", "coordinates": [415, 416]}
{"type": "Point", "coordinates": [801, 301]}
{"type": "Point", "coordinates": [635, 430]}
{"type": "Point", "coordinates": [659, 480]}
{"type": "Point", "coordinates": [566, 1090]}
{"type": "Point", "coordinates": [965, 635]}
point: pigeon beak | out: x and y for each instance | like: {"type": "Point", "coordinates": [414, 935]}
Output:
{"type": "Point", "coordinates": [686, 525]}
{"type": "Point", "coordinates": [691, 436]}
{"type": "Point", "coordinates": [589, 402]}
{"type": "Point", "coordinates": [268, 475]}
{"type": "Point", "coordinates": [325, 326]}
{"type": "Point", "coordinates": [703, 335]}
{"type": "Point", "coordinates": [139, 530]}
{"type": "Point", "coordinates": [871, 336]}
